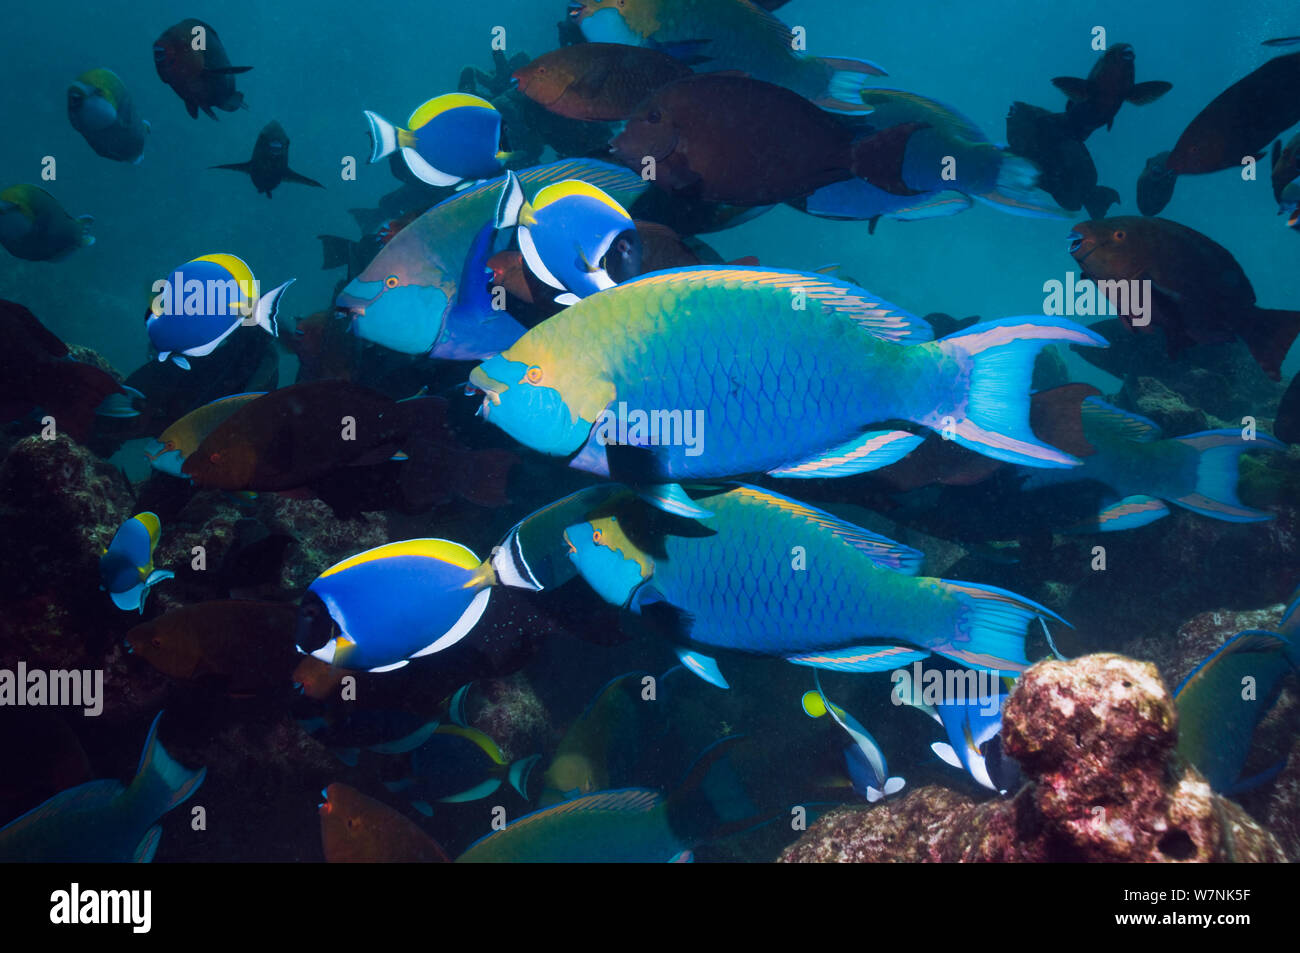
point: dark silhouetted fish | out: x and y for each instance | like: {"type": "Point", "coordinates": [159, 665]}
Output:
{"type": "Point", "coordinates": [1200, 294]}
{"type": "Point", "coordinates": [1242, 120]}
{"type": "Point", "coordinates": [726, 138]}
{"type": "Point", "coordinates": [1095, 101]}
{"type": "Point", "coordinates": [1068, 172]}
{"type": "Point", "coordinates": [191, 59]}
{"type": "Point", "coordinates": [269, 165]}
{"type": "Point", "coordinates": [1155, 186]}
{"type": "Point", "coordinates": [101, 109]}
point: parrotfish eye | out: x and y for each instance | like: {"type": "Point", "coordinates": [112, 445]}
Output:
{"type": "Point", "coordinates": [156, 643]}
{"type": "Point", "coordinates": [533, 375]}
{"type": "Point", "coordinates": [391, 281]}
{"type": "Point", "coordinates": [1120, 235]}
{"type": "Point", "coordinates": [214, 458]}
{"type": "Point", "coordinates": [596, 536]}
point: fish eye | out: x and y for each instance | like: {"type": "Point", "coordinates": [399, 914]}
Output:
{"type": "Point", "coordinates": [533, 375]}
{"type": "Point", "coordinates": [390, 281]}
{"type": "Point", "coordinates": [156, 643]}
{"type": "Point", "coordinates": [1120, 235]}
{"type": "Point", "coordinates": [596, 536]}
{"type": "Point", "coordinates": [653, 116]}
{"type": "Point", "coordinates": [214, 458]}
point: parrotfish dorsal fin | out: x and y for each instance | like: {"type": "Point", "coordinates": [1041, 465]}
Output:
{"type": "Point", "coordinates": [1106, 418]}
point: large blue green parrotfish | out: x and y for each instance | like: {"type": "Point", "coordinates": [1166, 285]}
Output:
{"type": "Point", "coordinates": [768, 575]}
{"type": "Point", "coordinates": [711, 372]}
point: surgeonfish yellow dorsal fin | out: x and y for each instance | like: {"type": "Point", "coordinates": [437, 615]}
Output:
{"type": "Point", "coordinates": [575, 187]}
{"type": "Point", "coordinates": [441, 104]}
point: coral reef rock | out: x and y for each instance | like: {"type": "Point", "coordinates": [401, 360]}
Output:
{"type": "Point", "coordinates": [1095, 736]}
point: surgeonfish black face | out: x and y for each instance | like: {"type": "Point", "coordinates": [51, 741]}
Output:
{"type": "Point", "coordinates": [623, 260]}
{"type": "Point", "coordinates": [315, 627]}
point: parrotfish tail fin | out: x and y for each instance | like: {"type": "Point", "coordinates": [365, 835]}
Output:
{"type": "Point", "coordinates": [160, 782]}
{"type": "Point", "coordinates": [475, 330]}
{"type": "Point", "coordinates": [510, 203]}
{"type": "Point", "coordinates": [992, 416]}
{"type": "Point", "coordinates": [990, 627]}
{"type": "Point", "coordinates": [86, 221]}
{"type": "Point", "coordinates": [1269, 333]}
{"type": "Point", "coordinates": [711, 800]}
{"type": "Point", "coordinates": [878, 158]}
{"type": "Point", "coordinates": [520, 772]}
{"type": "Point", "coordinates": [849, 77]}
{"type": "Point", "coordinates": [383, 136]}
{"type": "Point", "coordinates": [120, 405]}
{"type": "Point", "coordinates": [1017, 192]}
{"type": "Point", "coordinates": [267, 307]}
{"type": "Point", "coordinates": [1216, 474]}
{"type": "Point", "coordinates": [246, 167]}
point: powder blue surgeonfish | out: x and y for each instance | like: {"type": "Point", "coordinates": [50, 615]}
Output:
{"type": "Point", "coordinates": [1145, 470]}
{"type": "Point", "coordinates": [573, 237]}
{"type": "Point", "coordinates": [1217, 717]}
{"type": "Point", "coordinates": [427, 291]}
{"type": "Point", "coordinates": [126, 566]}
{"type": "Point", "coordinates": [202, 302]}
{"type": "Point", "coordinates": [740, 370]}
{"type": "Point", "coordinates": [768, 575]}
{"type": "Point", "coordinates": [864, 758]}
{"type": "Point", "coordinates": [381, 608]}
{"type": "Point", "coordinates": [102, 821]}
{"type": "Point", "coordinates": [449, 139]}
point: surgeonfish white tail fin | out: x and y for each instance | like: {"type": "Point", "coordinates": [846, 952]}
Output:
{"type": "Point", "coordinates": [511, 202]}
{"type": "Point", "coordinates": [383, 136]}
{"type": "Point", "coordinates": [267, 307]}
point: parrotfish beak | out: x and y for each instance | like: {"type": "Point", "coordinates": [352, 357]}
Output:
{"type": "Point", "coordinates": [534, 414]}
{"type": "Point", "coordinates": [614, 576]}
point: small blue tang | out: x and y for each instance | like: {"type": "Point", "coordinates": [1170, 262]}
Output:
{"type": "Point", "coordinates": [126, 567]}
{"type": "Point", "coordinates": [450, 139]}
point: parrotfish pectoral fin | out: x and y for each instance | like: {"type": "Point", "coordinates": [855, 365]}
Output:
{"type": "Point", "coordinates": [1128, 513]}
{"type": "Point", "coordinates": [671, 498]}
{"type": "Point", "coordinates": [383, 136]}
{"type": "Point", "coordinates": [1148, 92]}
{"type": "Point", "coordinates": [474, 330]}
{"type": "Point", "coordinates": [993, 419]}
{"type": "Point", "coordinates": [292, 176]}
{"type": "Point", "coordinates": [510, 203]}
{"type": "Point", "coordinates": [702, 666]}
{"type": "Point", "coordinates": [869, 451]}
{"type": "Point", "coordinates": [1075, 89]}
{"type": "Point", "coordinates": [268, 305]}
{"type": "Point", "coordinates": [1216, 474]}
{"type": "Point", "coordinates": [861, 658]}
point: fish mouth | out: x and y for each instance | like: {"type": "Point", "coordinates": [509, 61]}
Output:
{"type": "Point", "coordinates": [573, 550]}
{"type": "Point", "coordinates": [491, 390]}
{"type": "Point", "coordinates": [1293, 220]}
{"type": "Point", "coordinates": [1075, 240]}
